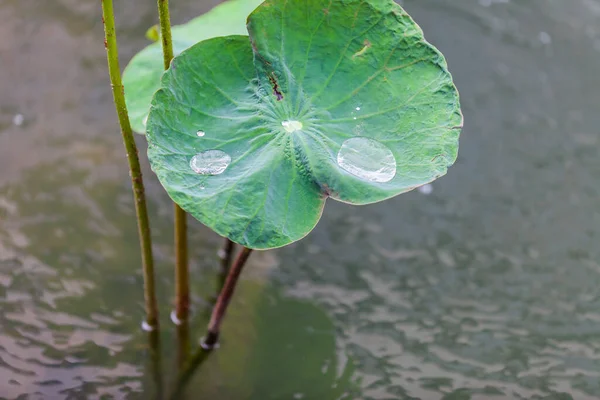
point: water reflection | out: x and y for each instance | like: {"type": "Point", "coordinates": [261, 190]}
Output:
{"type": "Point", "coordinates": [485, 288]}
{"type": "Point", "coordinates": [71, 322]}
{"type": "Point", "coordinates": [258, 358]}
{"type": "Point", "coordinates": [53, 343]}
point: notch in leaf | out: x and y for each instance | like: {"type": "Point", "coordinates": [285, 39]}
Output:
{"type": "Point", "coordinates": [252, 137]}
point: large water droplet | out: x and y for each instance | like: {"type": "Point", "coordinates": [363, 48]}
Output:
{"type": "Point", "coordinates": [291, 126]}
{"type": "Point", "coordinates": [211, 162]}
{"type": "Point", "coordinates": [367, 159]}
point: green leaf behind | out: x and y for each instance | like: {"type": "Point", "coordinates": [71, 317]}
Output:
{"type": "Point", "coordinates": [141, 78]}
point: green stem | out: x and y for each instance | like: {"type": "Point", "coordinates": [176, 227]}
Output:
{"type": "Point", "coordinates": [156, 363]}
{"type": "Point", "coordinates": [188, 371]}
{"type": "Point", "coordinates": [182, 292]}
{"type": "Point", "coordinates": [165, 31]}
{"type": "Point", "coordinates": [110, 42]}
{"type": "Point", "coordinates": [183, 344]}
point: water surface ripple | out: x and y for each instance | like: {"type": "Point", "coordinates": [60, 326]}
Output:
{"type": "Point", "coordinates": [486, 288]}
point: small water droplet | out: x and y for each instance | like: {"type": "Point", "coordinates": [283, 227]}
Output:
{"type": "Point", "coordinates": [146, 327]}
{"type": "Point", "coordinates": [426, 189]}
{"type": "Point", "coordinates": [367, 159]}
{"type": "Point", "coordinates": [211, 162]}
{"type": "Point", "coordinates": [200, 133]}
{"type": "Point", "coordinates": [18, 119]}
{"type": "Point", "coordinates": [325, 367]}
{"type": "Point", "coordinates": [291, 126]}
{"type": "Point", "coordinates": [357, 108]}
{"type": "Point", "coordinates": [354, 117]}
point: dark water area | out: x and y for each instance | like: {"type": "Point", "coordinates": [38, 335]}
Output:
{"type": "Point", "coordinates": [485, 285]}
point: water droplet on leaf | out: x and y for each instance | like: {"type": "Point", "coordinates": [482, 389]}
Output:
{"type": "Point", "coordinates": [211, 162]}
{"type": "Point", "coordinates": [367, 159]}
{"type": "Point", "coordinates": [291, 126]}
{"type": "Point", "coordinates": [200, 133]}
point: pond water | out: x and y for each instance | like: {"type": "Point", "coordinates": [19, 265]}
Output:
{"type": "Point", "coordinates": [484, 286]}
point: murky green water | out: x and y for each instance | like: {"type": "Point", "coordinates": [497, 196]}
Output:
{"type": "Point", "coordinates": [485, 287]}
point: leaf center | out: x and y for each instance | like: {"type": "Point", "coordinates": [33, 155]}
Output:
{"type": "Point", "coordinates": [291, 126]}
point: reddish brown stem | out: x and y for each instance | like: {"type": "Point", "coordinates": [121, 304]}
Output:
{"type": "Point", "coordinates": [226, 255]}
{"type": "Point", "coordinates": [182, 286]}
{"type": "Point", "coordinates": [214, 326]}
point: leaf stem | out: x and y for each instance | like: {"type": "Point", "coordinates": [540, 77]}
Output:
{"type": "Point", "coordinates": [182, 292]}
{"type": "Point", "coordinates": [165, 31]}
{"type": "Point", "coordinates": [183, 344]}
{"type": "Point", "coordinates": [197, 359]}
{"type": "Point", "coordinates": [214, 326]}
{"type": "Point", "coordinates": [110, 42]}
{"type": "Point", "coordinates": [156, 362]}
{"type": "Point", "coordinates": [225, 254]}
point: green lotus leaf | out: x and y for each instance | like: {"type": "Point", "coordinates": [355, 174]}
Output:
{"type": "Point", "coordinates": [342, 99]}
{"type": "Point", "coordinates": [141, 78]}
